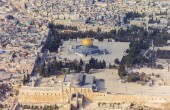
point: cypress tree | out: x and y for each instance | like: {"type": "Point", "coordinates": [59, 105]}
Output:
{"type": "Point", "coordinates": [87, 68]}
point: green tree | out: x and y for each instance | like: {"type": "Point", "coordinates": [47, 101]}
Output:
{"type": "Point", "coordinates": [87, 68]}
{"type": "Point", "coordinates": [81, 62]}
{"type": "Point", "coordinates": [28, 77]}
{"type": "Point", "coordinates": [117, 61]}
{"type": "Point", "coordinates": [46, 74]}
{"type": "Point", "coordinates": [24, 79]}
{"type": "Point", "coordinates": [104, 64]}
{"type": "Point", "coordinates": [78, 68]}
{"type": "Point", "coordinates": [132, 78]}
{"type": "Point", "coordinates": [121, 71]}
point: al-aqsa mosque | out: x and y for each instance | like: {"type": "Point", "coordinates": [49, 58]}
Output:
{"type": "Point", "coordinates": [87, 48]}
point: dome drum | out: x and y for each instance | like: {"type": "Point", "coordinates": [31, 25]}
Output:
{"type": "Point", "coordinates": [87, 48]}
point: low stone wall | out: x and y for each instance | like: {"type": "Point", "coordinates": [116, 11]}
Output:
{"type": "Point", "coordinates": [39, 96]}
{"type": "Point", "coordinates": [138, 99]}
{"type": "Point", "coordinates": [52, 97]}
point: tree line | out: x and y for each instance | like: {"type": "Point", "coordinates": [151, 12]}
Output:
{"type": "Point", "coordinates": [65, 66]}
{"type": "Point", "coordinates": [129, 35]}
{"type": "Point", "coordinates": [133, 56]}
{"type": "Point", "coordinates": [132, 15]}
{"type": "Point", "coordinates": [94, 64]}
{"type": "Point", "coordinates": [62, 27]}
{"type": "Point", "coordinates": [139, 38]}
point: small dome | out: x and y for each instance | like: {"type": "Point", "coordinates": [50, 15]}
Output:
{"type": "Point", "coordinates": [76, 82]}
{"type": "Point", "coordinates": [87, 42]}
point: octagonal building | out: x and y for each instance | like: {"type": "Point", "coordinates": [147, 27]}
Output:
{"type": "Point", "coordinates": [87, 48]}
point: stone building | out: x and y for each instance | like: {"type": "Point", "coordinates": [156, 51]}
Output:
{"type": "Point", "coordinates": [87, 48]}
{"type": "Point", "coordinates": [73, 91]}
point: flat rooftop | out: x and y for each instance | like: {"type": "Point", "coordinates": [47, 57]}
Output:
{"type": "Point", "coordinates": [86, 80]}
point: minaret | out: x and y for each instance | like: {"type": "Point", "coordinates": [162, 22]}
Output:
{"type": "Point", "coordinates": [33, 82]}
{"type": "Point", "coordinates": [153, 56]}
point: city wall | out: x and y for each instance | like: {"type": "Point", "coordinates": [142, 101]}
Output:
{"type": "Point", "coordinates": [48, 96]}
{"type": "Point", "coordinates": [127, 98]}
{"type": "Point", "coordinates": [40, 95]}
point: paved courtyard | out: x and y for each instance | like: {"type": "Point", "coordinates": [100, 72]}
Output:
{"type": "Point", "coordinates": [113, 85]}
{"type": "Point", "coordinates": [115, 49]}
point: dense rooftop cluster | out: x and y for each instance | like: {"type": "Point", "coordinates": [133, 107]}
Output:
{"type": "Point", "coordinates": [24, 31]}
{"type": "Point", "coordinates": [94, 14]}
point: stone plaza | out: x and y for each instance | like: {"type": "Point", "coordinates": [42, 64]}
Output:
{"type": "Point", "coordinates": [115, 50]}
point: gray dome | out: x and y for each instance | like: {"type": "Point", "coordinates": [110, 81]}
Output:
{"type": "Point", "coordinates": [76, 82]}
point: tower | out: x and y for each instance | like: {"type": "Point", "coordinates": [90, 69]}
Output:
{"type": "Point", "coordinates": [33, 82]}
{"type": "Point", "coordinates": [153, 55]}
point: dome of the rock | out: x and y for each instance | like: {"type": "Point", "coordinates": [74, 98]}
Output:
{"type": "Point", "coordinates": [87, 42]}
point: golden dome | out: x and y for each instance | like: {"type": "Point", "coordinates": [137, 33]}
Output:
{"type": "Point", "coordinates": [87, 42]}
